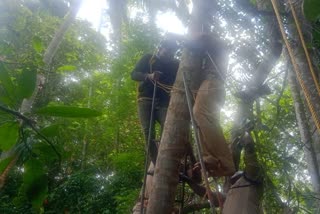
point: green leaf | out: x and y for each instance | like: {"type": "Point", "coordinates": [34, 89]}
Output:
{"type": "Point", "coordinates": [67, 68]}
{"type": "Point", "coordinates": [37, 44]}
{"type": "Point", "coordinates": [312, 9]}
{"type": "Point", "coordinates": [35, 182]}
{"type": "Point", "coordinates": [68, 111]}
{"type": "Point", "coordinates": [45, 152]}
{"type": "Point", "coordinates": [51, 131]}
{"type": "Point", "coordinates": [5, 100]}
{"type": "Point", "coordinates": [27, 83]}
{"type": "Point", "coordinates": [9, 133]}
{"type": "Point", "coordinates": [5, 80]}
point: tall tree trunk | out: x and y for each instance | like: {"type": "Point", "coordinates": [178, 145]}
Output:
{"type": "Point", "coordinates": [174, 138]}
{"type": "Point", "coordinates": [315, 135]}
{"type": "Point", "coordinates": [118, 15]}
{"type": "Point", "coordinates": [308, 81]}
{"type": "Point", "coordinates": [55, 42]}
{"type": "Point", "coordinates": [175, 135]}
{"type": "Point", "coordinates": [304, 129]}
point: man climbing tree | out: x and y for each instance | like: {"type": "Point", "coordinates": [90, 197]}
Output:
{"type": "Point", "coordinates": [155, 73]}
{"type": "Point", "coordinates": [245, 193]}
{"type": "Point", "coordinates": [209, 100]}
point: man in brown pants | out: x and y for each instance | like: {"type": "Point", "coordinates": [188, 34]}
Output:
{"type": "Point", "coordinates": [209, 100]}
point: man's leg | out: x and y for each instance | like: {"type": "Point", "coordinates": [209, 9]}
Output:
{"type": "Point", "coordinates": [216, 153]}
{"type": "Point", "coordinates": [144, 111]}
{"type": "Point", "coordinates": [161, 114]}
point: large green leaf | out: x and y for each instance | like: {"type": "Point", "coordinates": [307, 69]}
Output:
{"type": "Point", "coordinates": [5, 79]}
{"type": "Point", "coordinates": [35, 182]}
{"type": "Point", "coordinates": [7, 86]}
{"type": "Point", "coordinates": [5, 100]}
{"type": "Point", "coordinates": [45, 152]}
{"type": "Point", "coordinates": [27, 83]}
{"type": "Point", "coordinates": [68, 111]}
{"type": "Point", "coordinates": [9, 133]}
{"type": "Point", "coordinates": [311, 9]}
{"type": "Point", "coordinates": [51, 131]}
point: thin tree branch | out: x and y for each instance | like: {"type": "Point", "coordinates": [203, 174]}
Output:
{"type": "Point", "coordinates": [17, 114]}
{"type": "Point", "coordinates": [31, 123]}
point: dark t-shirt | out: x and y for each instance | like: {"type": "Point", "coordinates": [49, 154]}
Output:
{"type": "Point", "coordinates": [146, 65]}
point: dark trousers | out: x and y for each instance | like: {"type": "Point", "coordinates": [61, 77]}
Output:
{"type": "Point", "coordinates": [159, 115]}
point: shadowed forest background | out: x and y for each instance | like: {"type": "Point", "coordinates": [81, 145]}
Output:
{"type": "Point", "coordinates": [70, 138]}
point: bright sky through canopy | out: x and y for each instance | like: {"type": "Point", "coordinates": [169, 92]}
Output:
{"type": "Point", "coordinates": [91, 10]}
{"type": "Point", "coordinates": [170, 23]}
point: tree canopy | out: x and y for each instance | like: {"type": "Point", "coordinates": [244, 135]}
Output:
{"type": "Point", "coordinates": [70, 138]}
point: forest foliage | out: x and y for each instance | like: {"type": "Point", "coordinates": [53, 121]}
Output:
{"type": "Point", "coordinates": [80, 148]}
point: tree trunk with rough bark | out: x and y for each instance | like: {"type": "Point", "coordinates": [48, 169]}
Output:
{"type": "Point", "coordinates": [118, 16]}
{"type": "Point", "coordinates": [312, 157]}
{"type": "Point", "coordinates": [306, 138]}
{"type": "Point", "coordinates": [55, 42]}
{"type": "Point", "coordinates": [174, 139]}
{"type": "Point", "coordinates": [175, 135]}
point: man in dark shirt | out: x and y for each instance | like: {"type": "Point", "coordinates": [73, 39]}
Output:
{"type": "Point", "coordinates": [161, 68]}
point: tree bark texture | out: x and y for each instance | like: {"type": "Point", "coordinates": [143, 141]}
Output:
{"type": "Point", "coordinates": [55, 42]}
{"type": "Point", "coordinates": [174, 139]}
{"type": "Point", "coordinates": [175, 136]}
{"type": "Point", "coordinates": [314, 97]}
{"type": "Point", "coordinates": [118, 15]}
{"type": "Point", "coordinates": [305, 134]}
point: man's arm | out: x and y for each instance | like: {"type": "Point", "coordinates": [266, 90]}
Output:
{"type": "Point", "coordinates": [142, 68]}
